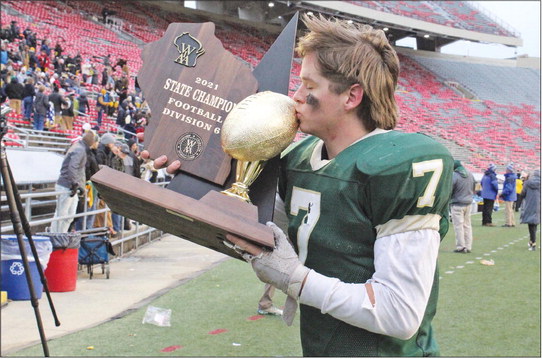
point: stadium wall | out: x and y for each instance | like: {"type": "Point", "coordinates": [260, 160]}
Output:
{"type": "Point", "coordinates": [168, 6]}
{"type": "Point", "coordinates": [528, 62]}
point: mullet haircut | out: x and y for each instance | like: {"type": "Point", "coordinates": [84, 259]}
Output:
{"type": "Point", "coordinates": [350, 54]}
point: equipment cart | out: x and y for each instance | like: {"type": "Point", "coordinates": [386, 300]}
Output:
{"type": "Point", "coordinates": [95, 249]}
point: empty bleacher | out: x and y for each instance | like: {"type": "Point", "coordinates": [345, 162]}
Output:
{"type": "Point", "coordinates": [492, 131]}
{"type": "Point", "coordinates": [457, 14]}
{"type": "Point", "coordinates": [501, 84]}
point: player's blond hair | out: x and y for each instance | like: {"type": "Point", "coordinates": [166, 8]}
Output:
{"type": "Point", "coordinates": [350, 53]}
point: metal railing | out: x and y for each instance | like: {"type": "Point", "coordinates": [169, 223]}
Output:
{"type": "Point", "coordinates": [500, 22]}
{"type": "Point", "coordinates": [41, 140]}
{"type": "Point", "coordinates": [30, 201]}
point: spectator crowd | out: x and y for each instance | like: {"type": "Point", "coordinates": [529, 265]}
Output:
{"type": "Point", "coordinates": [56, 90]}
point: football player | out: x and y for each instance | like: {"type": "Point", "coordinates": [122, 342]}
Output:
{"type": "Point", "coordinates": [365, 206]}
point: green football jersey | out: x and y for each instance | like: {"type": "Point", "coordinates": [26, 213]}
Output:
{"type": "Point", "coordinates": [387, 183]}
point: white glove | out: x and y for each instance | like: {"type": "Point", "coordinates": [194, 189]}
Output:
{"type": "Point", "coordinates": [280, 267]}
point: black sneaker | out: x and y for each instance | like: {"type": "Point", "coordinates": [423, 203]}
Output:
{"type": "Point", "coordinates": [462, 250]}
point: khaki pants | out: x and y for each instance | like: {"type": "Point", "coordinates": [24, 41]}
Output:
{"type": "Point", "coordinates": [15, 105]}
{"type": "Point", "coordinates": [266, 301]}
{"type": "Point", "coordinates": [509, 213]}
{"type": "Point", "coordinates": [462, 226]}
{"type": "Point", "coordinates": [57, 119]}
{"type": "Point", "coordinates": [99, 219]}
{"type": "Point", "coordinates": [66, 123]}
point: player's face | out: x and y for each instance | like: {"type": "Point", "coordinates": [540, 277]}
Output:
{"type": "Point", "coordinates": [318, 109]}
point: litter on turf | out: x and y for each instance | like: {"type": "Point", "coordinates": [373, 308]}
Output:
{"type": "Point", "coordinates": [157, 316]}
{"type": "Point", "coordinates": [486, 262]}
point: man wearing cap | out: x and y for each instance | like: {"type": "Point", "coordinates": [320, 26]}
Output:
{"type": "Point", "coordinates": [105, 153]}
{"type": "Point", "coordinates": [71, 182]}
{"type": "Point", "coordinates": [490, 187]}
{"type": "Point", "coordinates": [101, 104]}
{"type": "Point", "coordinates": [460, 207]}
{"type": "Point", "coordinates": [509, 195]}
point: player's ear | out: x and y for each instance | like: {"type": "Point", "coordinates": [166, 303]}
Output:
{"type": "Point", "coordinates": [354, 95]}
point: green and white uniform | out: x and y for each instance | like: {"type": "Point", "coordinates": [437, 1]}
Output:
{"type": "Point", "coordinates": [391, 187]}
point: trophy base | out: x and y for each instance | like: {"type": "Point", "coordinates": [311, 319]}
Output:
{"type": "Point", "coordinates": [238, 190]}
{"type": "Point", "coordinates": [205, 221]}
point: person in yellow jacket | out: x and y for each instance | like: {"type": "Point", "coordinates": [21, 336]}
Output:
{"type": "Point", "coordinates": [103, 102]}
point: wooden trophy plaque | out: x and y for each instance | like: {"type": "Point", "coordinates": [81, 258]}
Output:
{"type": "Point", "coordinates": [191, 84]}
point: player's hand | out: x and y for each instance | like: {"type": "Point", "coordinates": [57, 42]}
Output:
{"type": "Point", "coordinates": [161, 162]}
{"type": "Point", "coordinates": [280, 267]}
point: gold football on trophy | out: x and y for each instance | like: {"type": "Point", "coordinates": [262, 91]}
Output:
{"type": "Point", "coordinates": [259, 127]}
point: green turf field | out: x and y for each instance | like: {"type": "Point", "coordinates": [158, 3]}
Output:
{"type": "Point", "coordinates": [484, 311]}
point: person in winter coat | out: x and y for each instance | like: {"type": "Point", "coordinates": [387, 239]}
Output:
{"type": "Point", "coordinates": [490, 188]}
{"type": "Point", "coordinates": [519, 188]}
{"type": "Point", "coordinates": [58, 101]}
{"type": "Point", "coordinates": [102, 104]}
{"type": "Point", "coordinates": [530, 212]}
{"type": "Point", "coordinates": [91, 168]}
{"type": "Point", "coordinates": [28, 98]}
{"type": "Point", "coordinates": [14, 91]}
{"type": "Point", "coordinates": [43, 61]}
{"type": "Point", "coordinates": [105, 154]}
{"type": "Point", "coordinates": [84, 106]}
{"type": "Point", "coordinates": [509, 195]}
{"type": "Point", "coordinates": [41, 107]}
{"type": "Point", "coordinates": [460, 207]}
{"type": "Point", "coordinates": [67, 112]}
{"type": "Point", "coordinates": [71, 182]}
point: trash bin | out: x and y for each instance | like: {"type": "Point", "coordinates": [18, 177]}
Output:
{"type": "Point", "coordinates": [61, 272]}
{"type": "Point", "coordinates": [13, 276]}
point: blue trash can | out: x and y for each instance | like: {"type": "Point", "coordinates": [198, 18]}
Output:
{"type": "Point", "coordinates": [13, 272]}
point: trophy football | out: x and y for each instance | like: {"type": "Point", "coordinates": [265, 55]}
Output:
{"type": "Point", "coordinates": [256, 130]}
{"type": "Point", "coordinates": [227, 125]}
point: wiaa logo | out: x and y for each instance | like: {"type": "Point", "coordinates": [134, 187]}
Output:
{"type": "Point", "coordinates": [189, 146]}
{"type": "Point", "coordinates": [189, 49]}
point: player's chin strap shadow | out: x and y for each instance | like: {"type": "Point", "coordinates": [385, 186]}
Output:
{"type": "Point", "coordinates": [290, 306]}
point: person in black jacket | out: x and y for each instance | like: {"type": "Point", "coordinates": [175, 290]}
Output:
{"type": "Point", "coordinates": [28, 98]}
{"type": "Point", "coordinates": [67, 114]}
{"type": "Point", "coordinates": [41, 107]}
{"type": "Point", "coordinates": [57, 100]}
{"type": "Point", "coordinates": [83, 104]}
{"type": "Point", "coordinates": [105, 153]}
{"type": "Point", "coordinates": [14, 91]}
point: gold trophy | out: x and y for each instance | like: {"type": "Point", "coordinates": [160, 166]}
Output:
{"type": "Point", "coordinates": [257, 129]}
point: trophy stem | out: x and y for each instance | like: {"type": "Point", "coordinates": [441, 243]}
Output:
{"type": "Point", "coordinates": [246, 174]}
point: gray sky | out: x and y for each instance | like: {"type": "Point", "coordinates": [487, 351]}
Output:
{"type": "Point", "coordinates": [523, 16]}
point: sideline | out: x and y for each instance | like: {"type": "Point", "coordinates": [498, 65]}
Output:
{"type": "Point", "coordinates": [135, 280]}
